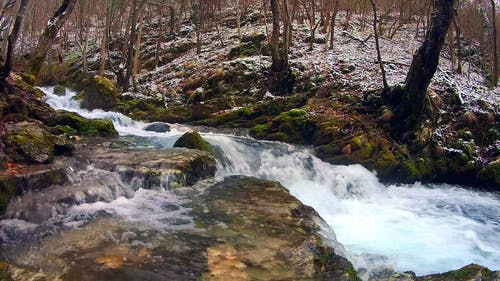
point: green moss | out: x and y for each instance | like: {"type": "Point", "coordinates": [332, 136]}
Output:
{"type": "Point", "coordinates": [105, 86]}
{"type": "Point", "coordinates": [259, 131]}
{"type": "Point", "coordinates": [279, 136]}
{"type": "Point", "coordinates": [59, 90]}
{"type": "Point", "coordinates": [8, 189]}
{"type": "Point", "coordinates": [386, 162]}
{"type": "Point", "coordinates": [99, 92]}
{"type": "Point", "coordinates": [65, 129]}
{"type": "Point", "coordinates": [4, 274]}
{"type": "Point", "coordinates": [296, 113]}
{"type": "Point", "coordinates": [469, 272]}
{"type": "Point", "coordinates": [244, 50]}
{"type": "Point", "coordinates": [29, 78]}
{"type": "Point", "coordinates": [362, 149]}
{"type": "Point", "coordinates": [356, 143]}
{"type": "Point", "coordinates": [87, 127]}
{"type": "Point", "coordinates": [193, 140]}
{"type": "Point", "coordinates": [39, 94]}
{"type": "Point", "coordinates": [99, 127]}
{"type": "Point", "coordinates": [491, 174]}
{"type": "Point", "coordinates": [80, 96]}
{"type": "Point", "coordinates": [32, 144]}
{"type": "Point", "coordinates": [465, 134]}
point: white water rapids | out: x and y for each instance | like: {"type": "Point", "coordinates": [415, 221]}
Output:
{"type": "Point", "coordinates": [422, 228]}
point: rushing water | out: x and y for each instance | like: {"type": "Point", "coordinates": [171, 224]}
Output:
{"type": "Point", "coordinates": [422, 228]}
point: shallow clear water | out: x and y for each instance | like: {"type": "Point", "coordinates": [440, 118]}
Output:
{"type": "Point", "coordinates": [422, 228]}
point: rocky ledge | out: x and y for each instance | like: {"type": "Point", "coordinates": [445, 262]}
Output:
{"type": "Point", "coordinates": [98, 171]}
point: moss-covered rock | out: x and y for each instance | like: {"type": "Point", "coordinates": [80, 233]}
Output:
{"type": "Point", "coordinates": [83, 126]}
{"type": "Point", "coordinates": [59, 90]}
{"type": "Point", "coordinates": [468, 273]}
{"type": "Point", "coordinates": [292, 126]}
{"type": "Point", "coordinates": [99, 93]}
{"type": "Point", "coordinates": [8, 189]}
{"type": "Point", "coordinates": [33, 143]}
{"type": "Point", "coordinates": [193, 140]}
{"type": "Point", "coordinates": [386, 162]}
{"type": "Point", "coordinates": [491, 174]}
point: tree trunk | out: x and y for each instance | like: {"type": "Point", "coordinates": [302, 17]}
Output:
{"type": "Point", "coordinates": [423, 67]}
{"type": "Point", "coordinates": [12, 40]}
{"type": "Point", "coordinates": [137, 52]}
{"type": "Point", "coordinates": [458, 43]}
{"type": "Point", "coordinates": [277, 65]}
{"type": "Point", "coordinates": [131, 44]}
{"type": "Point", "coordinates": [49, 34]}
{"type": "Point", "coordinates": [282, 78]}
{"type": "Point", "coordinates": [332, 23]}
{"type": "Point", "coordinates": [173, 20]}
{"type": "Point", "coordinates": [160, 37]}
{"type": "Point", "coordinates": [377, 45]}
{"type": "Point", "coordinates": [238, 19]}
{"type": "Point", "coordinates": [104, 42]}
{"type": "Point", "coordinates": [494, 79]}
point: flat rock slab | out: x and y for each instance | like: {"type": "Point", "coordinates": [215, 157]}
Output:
{"type": "Point", "coordinates": [241, 229]}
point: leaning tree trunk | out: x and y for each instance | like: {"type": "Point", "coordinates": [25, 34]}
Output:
{"type": "Point", "coordinates": [423, 67]}
{"type": "Point", "coordinates": [12, 40]}
{"type": "Point", "coordinates": [49, 34]}
{"type": "Point", "coordinates": [377, 45]}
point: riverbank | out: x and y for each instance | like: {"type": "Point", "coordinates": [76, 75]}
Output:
{"type": "Point", "coordinates": [110, 260]}
{"type": "Point", "coordinates": [336, 105]}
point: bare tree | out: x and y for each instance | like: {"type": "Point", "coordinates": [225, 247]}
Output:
{"type": "Point", "coordinates": [425, 61]}
{"type": "Point", "coordinates": [13, 36]}
{"type": "Point", "coordinates": [49, 34]}
{"type": "Point", "coordinates": [377, 45]}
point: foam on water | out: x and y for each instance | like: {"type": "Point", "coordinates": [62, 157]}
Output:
{"type": "Point", "coordinates": [123, 124]}
{"type": "Point", "coordinates": [423, 228]}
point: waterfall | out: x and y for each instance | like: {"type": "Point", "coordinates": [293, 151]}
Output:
{"type": "Point", "coordinates": [422, 228]}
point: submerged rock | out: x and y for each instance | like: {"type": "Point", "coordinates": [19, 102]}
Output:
{"type": "Point", "coordinates": [59, 90]}
{"type": "Point", "coordinates": [158, 127]}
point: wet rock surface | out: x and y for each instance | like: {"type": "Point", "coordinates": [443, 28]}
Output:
{"type": "Point", "coordinates": [239, 229]}
{"type": "Point", "coordinates": [100, 172]}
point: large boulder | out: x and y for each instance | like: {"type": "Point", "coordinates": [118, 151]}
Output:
{"type": "Point", "coordinates": [32, 143]}
{"type": "Point", "coordinates": [193, 140]}
{"type": "Point", "coordinates": [81, 125]}
{"type": "Point", "coordinates": [98, 93]}
{"type": "Point", "coordinates": [59, 90]}
{"type": "Point", "coordinates": [262, 229]}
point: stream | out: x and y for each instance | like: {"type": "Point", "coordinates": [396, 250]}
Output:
{"type": "Point", "coordinates": [422, 228]}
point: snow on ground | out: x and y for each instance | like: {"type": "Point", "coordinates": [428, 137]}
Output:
{"type": "Point", "coordinates": [352, 62]}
